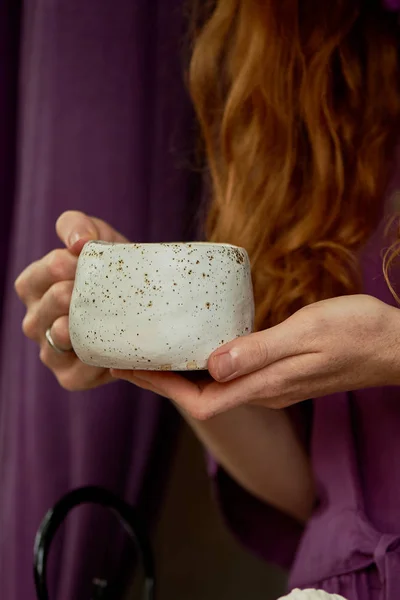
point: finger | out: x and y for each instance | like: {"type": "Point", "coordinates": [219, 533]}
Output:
{"type": "Point", "coordinates": [66, 358]}
{"type": "Point", "coordinates": [60, 333]}
{"type": "Point", "coordinates": [43, 314]}
{"type": "Point", "coordinates": [141, 383]}
{"type": "Point", "coordinates": [289, 380]}
{"type": "Point", "coordinates": [201, 400]}
{"type": "Point", "coordinates": [250, 353]}
{"type": "Point", "coordinates": [169, 385]}
{"type": "Point", "coordinates": [53, 360]}
{"type": "Point", "coordinates": [79, 377]}
{"type": "Point", "coordinates": [108, 233]}
{"type": "Point", "coordinates": [144, 384]}
{"type": "Point", "coordinates": [36, 279]}
{"type": "Point", "coordinates": [74, 228]}
{"type": "Point", "coordinates": [280, 384]}
{"type": "Point", "coordinates": [71, 373]}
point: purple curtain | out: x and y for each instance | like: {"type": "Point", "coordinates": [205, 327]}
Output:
{"type": "Point", "coordinates": [94, 116]}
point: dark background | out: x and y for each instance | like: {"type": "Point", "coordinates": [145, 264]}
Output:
{"type": "Point", "coordinates": [197, 558]}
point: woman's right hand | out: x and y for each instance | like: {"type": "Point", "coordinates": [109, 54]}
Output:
{"type": "Point", "coordinates": [45, 287]}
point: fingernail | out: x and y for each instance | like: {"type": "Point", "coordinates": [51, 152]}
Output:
{"type": "Point", "coordinates": [224, 365]}
{"type": "Point", "coordinates": [84, 234]}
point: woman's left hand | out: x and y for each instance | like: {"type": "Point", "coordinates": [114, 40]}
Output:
{"type": "Point", "coordinates": [336, 345]}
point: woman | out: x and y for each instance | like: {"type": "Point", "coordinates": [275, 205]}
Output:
{"type": "Point", "coordinates": [299, 106]}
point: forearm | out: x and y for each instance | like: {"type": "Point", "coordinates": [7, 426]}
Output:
{"type": "Point", "coordinates": [260, 450]}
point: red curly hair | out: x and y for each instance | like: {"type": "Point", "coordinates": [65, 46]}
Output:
{"type": "Point", "coordinates": [299, 104]}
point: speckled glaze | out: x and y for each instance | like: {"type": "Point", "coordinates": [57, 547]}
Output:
{"type": "Point", "coordinates": [311, 595]}
{"type": "Point", "coordinates": [159, 306]}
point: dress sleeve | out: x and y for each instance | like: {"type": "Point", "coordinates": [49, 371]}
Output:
{"type": "Point", "coordinates": [264, 530]}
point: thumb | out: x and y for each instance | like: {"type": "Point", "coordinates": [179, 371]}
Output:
{"type": "Point", "coordinates": [74, 229]}
{"type": "Point", "coordinates": [250, 353]}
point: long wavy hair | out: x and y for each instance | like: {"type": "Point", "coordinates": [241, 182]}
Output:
{"type": "Point", "coordinates": [298, 103]}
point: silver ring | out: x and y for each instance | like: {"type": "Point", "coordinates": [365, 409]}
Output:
{"type": "Point", "coordinates": [51, 343]}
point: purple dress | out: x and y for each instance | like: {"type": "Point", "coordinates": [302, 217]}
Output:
{"type": "Point", "coordinates": [351, 545]}
{"type": "Point", "coordinates": [103, 125]}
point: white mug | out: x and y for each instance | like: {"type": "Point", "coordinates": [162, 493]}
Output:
{"type": "Point", "coordinates": [159, 306]}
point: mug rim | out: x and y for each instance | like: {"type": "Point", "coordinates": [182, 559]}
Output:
{"type": "Point", "coordinates": [168, 244]}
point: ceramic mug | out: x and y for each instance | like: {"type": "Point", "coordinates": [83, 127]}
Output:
{"type": "Point", "coordinates": [159, 306]}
